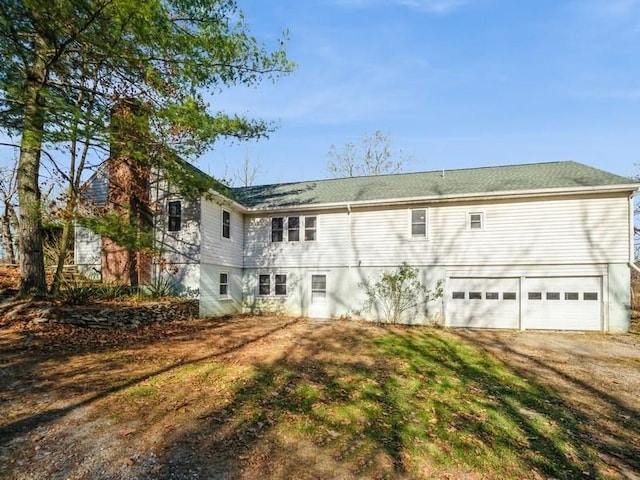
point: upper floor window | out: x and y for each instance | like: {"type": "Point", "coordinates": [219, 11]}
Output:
{"type": "Point", "coordinates": [175, 216]}
{"type": "Point", "coordinates": [419, 222]}
{"type": "Point", "coordinates": [226, 224]}
{"type": "Point", "coordinates": [475, 220]}
{"type": "Point", "coordinates": [310, 228]}
{"type": "Point", "coordinates": [277, 229]}
{"type": "Point", "coordinates": [293, 226]}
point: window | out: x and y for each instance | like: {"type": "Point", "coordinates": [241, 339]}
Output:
{"type": "Point", "coordinates": [293, 226]}
{"type": "Point", "coordinates": [535, 295]}
{"type": "Point", "coordinates": [264, 284]}
{"type": "Point", "coordinates": [226, 224]}
{"type": "Point", "coordinates": [475, 221]}
{"type": "Point", "coordinates": [553, 295]}
{"type": "Point", "coordinates": [310, 226]}
{"type": "Point", "coordinates": [475, 295]}
{"type": "Point", "coordinates": [224, 284]}
{"type": "Point", "coordinates": [571, 295]}
{"type": "Point", "coordinates": [281, 284]}
{"type": "Point", "coordinates": [277, 229]}
{"type": "Point", "coordinates": [419, 223]}
{"type": "Point", "coordinates": [508, 295]}
{"type": "Point", "coordinates": [175, 216]}
{"type": "Point", "coordinates": [318, 286]}
{"type": "Point", "coordinates": [491, 295]}
{"type": "Point", "coordinates": [590, 296]}
{"type": "Point", "coordinates": [457, 295]}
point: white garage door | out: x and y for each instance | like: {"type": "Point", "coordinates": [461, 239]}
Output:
{"type": "Point", "coordinates": [563, 303]}
{"type": "Point", "coordinates": [483, 302]}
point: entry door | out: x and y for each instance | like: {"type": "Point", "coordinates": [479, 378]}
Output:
{"type": "Point", "coordinates": [563, 303]}
{"type": "Point", "coordinates": [483, 302]}
{"type": "Point", "coordinates": [319, 304]}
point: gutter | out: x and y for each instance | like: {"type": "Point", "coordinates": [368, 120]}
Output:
{"type": "Point", "coordinates": [446, 198]}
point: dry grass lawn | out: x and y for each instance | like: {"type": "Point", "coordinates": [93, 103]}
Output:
{"type": "Point", "coordinates": [272, 397]}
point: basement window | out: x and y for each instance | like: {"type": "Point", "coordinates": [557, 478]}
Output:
{"type": "Point", "coordinates": [264, 284]}
{"type": "Point", "coordinates": [224, 284]}
{"type": "Point", "coordinates": [281, 284]}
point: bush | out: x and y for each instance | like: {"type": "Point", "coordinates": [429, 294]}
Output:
{"type": "Point", "coordinates": [398, 292]}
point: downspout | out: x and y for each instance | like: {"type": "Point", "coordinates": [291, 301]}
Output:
{"type": "Point", "coordinates": [632, 263]}
{"type": "Point", "coordinates": [350, 236]}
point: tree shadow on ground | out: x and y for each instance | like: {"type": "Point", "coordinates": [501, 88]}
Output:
{"type": "Point", "coordinates": [610, 426]}
{"type": "Point", "coordinates": [416, 402]}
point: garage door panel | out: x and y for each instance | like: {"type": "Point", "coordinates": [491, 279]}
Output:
{"type": "Point", "coordinates": [563, 303]}
{"type": "Point", "coordinates": [483, 302]}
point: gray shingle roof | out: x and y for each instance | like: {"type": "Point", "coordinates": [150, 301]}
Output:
{"type": "Point", "coordinates": [527, 177]}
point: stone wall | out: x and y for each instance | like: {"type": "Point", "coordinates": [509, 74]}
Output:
{"type": "Point", "coordinates": [111, 315]}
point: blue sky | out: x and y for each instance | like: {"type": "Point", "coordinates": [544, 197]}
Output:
{"type": "Point", "coordinates": [453, 83]}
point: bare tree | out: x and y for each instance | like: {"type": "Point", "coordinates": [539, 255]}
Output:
{"type": "Point", "coordinates": [372, 156]}
{"type": "Point", "coordinates": [247, 174]}
{"type": "Point", "coordinates": [8, 217]}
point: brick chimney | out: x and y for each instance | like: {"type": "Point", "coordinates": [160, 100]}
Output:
{"type": "Point", "coordinates": [128, 194]}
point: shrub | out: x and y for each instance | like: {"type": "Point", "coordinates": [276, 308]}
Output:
{"type": "Point", "coordinates": [397, 292]}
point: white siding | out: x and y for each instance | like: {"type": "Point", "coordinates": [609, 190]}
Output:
{"type": "Point", "coordinates": [552, 231]}
{"type": "Point", "coordinates": [211, 303]}
{"type": "Point", "coordinates": [561, 230]}
{"type": "Point", "coordinates": [331, 247]}
{"type": "Point", "coordinates": [87, 250]}
{"type": "Point", "coordinates": [216, 249]}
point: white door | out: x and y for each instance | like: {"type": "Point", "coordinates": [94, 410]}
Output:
{"type": "Point", "coordinates": [319, 303]}
{"type": "Point", "coordinates": [483, 302]}
{"type": "Point", "coordinates": [563, 303]}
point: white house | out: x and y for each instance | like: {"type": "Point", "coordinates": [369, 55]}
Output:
{"type": "Point", "coordinates": [536, 246]}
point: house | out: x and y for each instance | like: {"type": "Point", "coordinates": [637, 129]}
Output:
{"type": "Point", "coordinates": [532, 246]}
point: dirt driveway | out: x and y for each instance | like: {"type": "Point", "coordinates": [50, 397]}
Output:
{"type": "Point", "coordinates": [82, 404]}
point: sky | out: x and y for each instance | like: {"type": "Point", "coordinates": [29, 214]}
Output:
{"type": "Point", "coordinates": [453, 84]}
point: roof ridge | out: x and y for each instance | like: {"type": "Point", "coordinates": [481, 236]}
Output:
{"type": "Point", "coordinates": [399, 174]}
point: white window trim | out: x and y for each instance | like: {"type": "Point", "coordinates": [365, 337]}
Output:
{"type": "Point", "coordinates": [264, 295]}
{"type": "Point", "coordinates": [483, 220]}
{"type": "Point", "coordinates": [222, 210]}
{"type": "Point", "coordinates": [228, 295]}
{"type": "Point", "coordinates": [286, 284]}
{"type": "Point", "coordinates": [301, 229]}
{"type": "Point", "coordinates": [427, 220]}
{"type": "Point", "coordinates": [285, 231]}
{"type": "Point", "coordinates": [326, 285]}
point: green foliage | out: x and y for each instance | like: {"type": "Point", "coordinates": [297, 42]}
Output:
{"type": "Point", "coordinates": [79, 293]}
{"type": "Point", "coordinates": [123, 231]}
{"type": "Point", "coordinates": [67, 62]}
{"type": "Point", "coordinates": [398, 292]}
{"type": "Point", "coordinates": [160, 287]}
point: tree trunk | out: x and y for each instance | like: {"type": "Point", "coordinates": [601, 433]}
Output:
{"type": "Point", "coordinates": [32, 275]}
{"type": "Point", "coordinates": [7, 234]}
{"type": "Point", "coordinates": [65, 243]}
